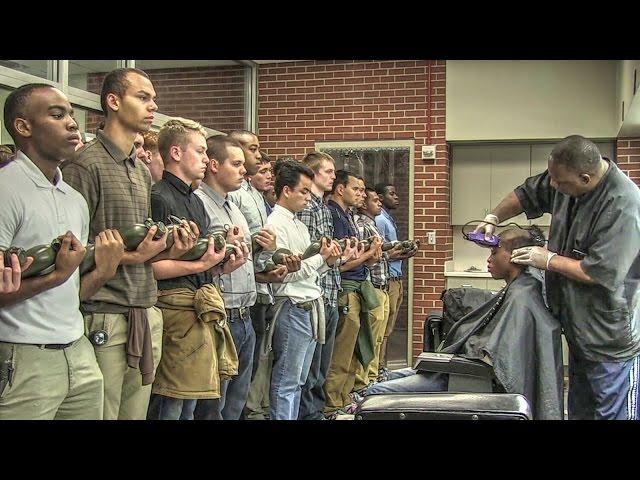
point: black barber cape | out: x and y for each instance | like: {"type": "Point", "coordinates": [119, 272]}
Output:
{"type": "Point", "coordinates": [516, 334]}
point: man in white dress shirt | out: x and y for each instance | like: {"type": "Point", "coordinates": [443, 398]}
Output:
{"type": "Point", "coordinates": [299, 317]}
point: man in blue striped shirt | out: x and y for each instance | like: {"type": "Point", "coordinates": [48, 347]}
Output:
{"type": "Point", "coordinates": [387, 227]}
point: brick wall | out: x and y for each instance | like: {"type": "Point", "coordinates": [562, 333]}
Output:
{"type": "Point", "coordinates": [212, 96]}
{"type": "Point", "coordinates": [300, 103]}
{"type": "Point", "coordinates": [628, 156]}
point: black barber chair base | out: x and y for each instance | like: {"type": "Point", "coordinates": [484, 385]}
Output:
{"type": "Point", "coordinates": [465, 375]}
{"type": "Point", "coordinates": [444, 406]}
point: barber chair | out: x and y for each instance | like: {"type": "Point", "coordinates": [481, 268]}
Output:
{"type": "Point", "coordinates": [472, 393]}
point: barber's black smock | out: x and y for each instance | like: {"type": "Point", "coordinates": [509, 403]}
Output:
{"type": "Point", "coordinates": [171, 196]}
{"type": "Point", "coordinates": [516, 334]}
{"type": "Point", "coordinates": [602, 230]}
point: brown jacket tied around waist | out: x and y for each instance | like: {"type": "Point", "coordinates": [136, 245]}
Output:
{"type": "Point", "coordinates": [197, 346]}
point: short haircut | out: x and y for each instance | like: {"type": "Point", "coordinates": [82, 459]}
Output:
{"type": "Point", "coordinates": [176, 132]}
{"type": "Point", "coordinates": [14, 106]}
{"type": "Point", "coordinates": [238, 134]}
{"type": "Point", "coordinates": [369, 188]}
{"type": "Point", "coordinates": [116, 82]}
{"type": "Point", "coordinates": [265, 158]}
{"type": "Point", "coordinates": [342, 178]}
{"type": "Point", "coordinates": [289, 173]}
{"type": "Point", "coordinates": [313, 160]}
{"type": "Point", "coordinates": [513, 238]}
{"type": "Point", "coordinates": [150, 140]}
{"type": "Point", "coordinates": [218, 145]}
{"type": "Point", "coordinates": [381, 188]}
{"type": "Point", "coordinates": [577, 153]}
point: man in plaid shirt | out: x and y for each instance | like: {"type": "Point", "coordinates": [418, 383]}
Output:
{"type": "Point", "coordinates": [317, 217]}
{"type": "Point", "coordinates": [379, 273]}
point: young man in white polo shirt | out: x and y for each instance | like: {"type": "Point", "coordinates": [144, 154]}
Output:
{"type": "Point", "coordinates": [299, 310]}
{"type": "Point", "coordinates": [47, 366]}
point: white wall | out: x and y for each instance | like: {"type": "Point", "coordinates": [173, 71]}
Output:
{"type": "Point", "coordinates": [530, 99]}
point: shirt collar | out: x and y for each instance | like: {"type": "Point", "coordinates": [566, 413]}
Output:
{"type": "Point", "coordinates": [218, 199]}
{"type": "Point", "coordinates": [364, 218]}
{"type": "Point", "coordinates": [36, 175]}
{"type": "Point", "coordinates": [177, 183]}
{"type": "Point", "coordinates": [342, 212]}
{"type": "Point", "coordinates": [246, 185]}
{"type": "Point", "coordinates": [316, 199]}
{"type": "Point", "coordinates": [118, 155]}
{"type": "Point", "coordinates": [583, 198]}
{"type": "Point", "coordinates": [284, 211]}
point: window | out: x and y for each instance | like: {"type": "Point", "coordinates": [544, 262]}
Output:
{"type": "Point", "coordinates": [38, 68]}
{"type": "Point", "coordinates": [386, 162]}
{"type": "Point", "coordinates": [88, 74]}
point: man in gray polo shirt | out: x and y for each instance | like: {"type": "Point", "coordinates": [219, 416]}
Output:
{"type": "Point", "coordinates": [47, 366]}
{"type": "Point", "coordinates": [238, 287]}
{"type": "Point", "coordinates": [117, 186]}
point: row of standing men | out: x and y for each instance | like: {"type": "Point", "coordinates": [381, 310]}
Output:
{"type": "Point", "coordinates": [145, 334]}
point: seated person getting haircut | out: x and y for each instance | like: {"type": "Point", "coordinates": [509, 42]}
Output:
{"type": "Point", "coordinates": [514, 332]}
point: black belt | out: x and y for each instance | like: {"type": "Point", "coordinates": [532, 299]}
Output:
{"type": "Point", "coordinates": [381, 287]}
{"type": "Point", "coordinates": [395, 279]}
{"type": "Point", "coordinates": [233, 313]}
{"type": "Point", "coordinates": [54, 346]}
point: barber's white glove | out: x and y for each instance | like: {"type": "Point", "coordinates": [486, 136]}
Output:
{"type": "Point", "coordinates": [538, 257]}
{"type": "Point", "coordinates": [487, 228]}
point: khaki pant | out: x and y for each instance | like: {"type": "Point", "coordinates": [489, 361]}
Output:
{"type": "Point", "coordinates": [341, 377]}
{"type": "Point", "coordinates": [378, 320]}
{"type": "Point", "coordinates": [45, 384]}
{"type": "Point", "coordinates": [395, 300]}
{"type": "Point", "coordinates": [258, 399]}
{"type": "Point", "coordinates": [125, 398]}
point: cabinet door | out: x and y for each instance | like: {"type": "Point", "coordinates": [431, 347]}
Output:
{"type": "Point", "coordinates": [495, 285]}
{"type": "Point", "coordinates": [470, 183]}
{"type": "Point", "coordinates": [509, 168]}
{"type": "Point", "coordinates": [456, 282]}
{"type": "Point", "coordinates": [539, 162]}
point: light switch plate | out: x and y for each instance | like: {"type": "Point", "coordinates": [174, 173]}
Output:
{"type": "Point", "coordinates": [428, 152]}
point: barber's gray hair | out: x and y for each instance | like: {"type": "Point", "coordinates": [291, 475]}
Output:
{"type": "Point", "coordinates": [577, 153]}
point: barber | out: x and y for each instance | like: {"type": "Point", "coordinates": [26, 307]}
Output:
{"type": "Point", "coordinates": [592, 271]}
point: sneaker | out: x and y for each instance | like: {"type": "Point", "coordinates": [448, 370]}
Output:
{"type": "Point", "coordinates": [355, 397]}
{"type": "Point", "coordinates": [383, 374]}
{"type": "Point", "coordinates": [351, 408]}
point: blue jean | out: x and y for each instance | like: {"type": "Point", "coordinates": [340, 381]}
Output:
{"type": "Point", "coordinates": [408, 380]}
{"type": "Point", "coordinates": [603, 390]}
{"type": "Point", "coordinates": [169, 408]}
{"type": "Point", "coordinates": [233, 393]}
{"type": "Point", "coordinates": [293, 348]}
{"type": "Point", "coordinates": [164, 408]}
{"type": "Point", "coordinates": [312, 398]}
{"type": "Point", "coordinates": [202, 409]}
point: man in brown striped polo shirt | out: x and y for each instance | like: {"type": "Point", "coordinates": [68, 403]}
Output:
{"type": "Point", "coordinates": [117, 189]}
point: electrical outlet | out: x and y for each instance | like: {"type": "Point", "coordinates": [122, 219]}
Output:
{"type": "Point", "coordinates": [428, 152]}
{"type": "Point", "coordinates": [431, 237]}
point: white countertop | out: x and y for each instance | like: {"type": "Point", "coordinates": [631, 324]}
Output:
{"type": "Point", "coordinates": [475, 274]}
